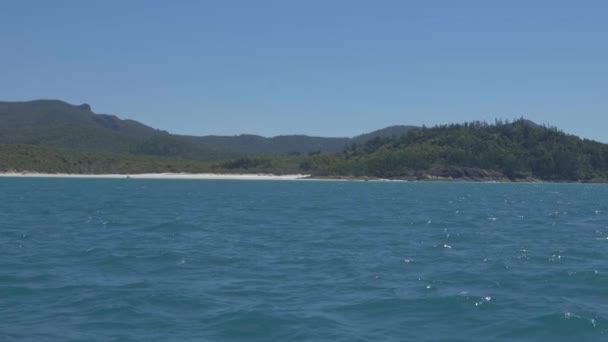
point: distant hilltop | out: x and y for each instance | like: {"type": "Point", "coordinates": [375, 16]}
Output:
{"type": "Point", "coordinates": [51, 136]}
{"type": "Point", "coordinates": [54, 123]}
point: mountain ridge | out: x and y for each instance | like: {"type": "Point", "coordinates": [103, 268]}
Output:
{"type": "Point", "coordinates": [56, 123]}
{"type": "Point", "coordinates": [473, 151]}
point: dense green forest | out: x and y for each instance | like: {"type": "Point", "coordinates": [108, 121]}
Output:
{"type": "Point", "coordinates": [517, 150]}
{"type": "Point", "coordinates": [520, 150]}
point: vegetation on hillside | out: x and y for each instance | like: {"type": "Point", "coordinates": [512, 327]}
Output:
{"type": "Point", "coordinates": [516, 150]}
{"type": "Point", "coordinates": [19, 158]}
{"type": "Point", "coordinates": [54, 123]}
{"type": "Point", "coordinates": [519, 150]}
{"type": "Point", "coordinates": [28, 158]}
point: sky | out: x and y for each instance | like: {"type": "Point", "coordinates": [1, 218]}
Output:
{"type": "Point", "coordinates": [316, 67]}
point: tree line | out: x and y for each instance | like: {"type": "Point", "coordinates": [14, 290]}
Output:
{"type": "Point", "coordinates": [512, 150]}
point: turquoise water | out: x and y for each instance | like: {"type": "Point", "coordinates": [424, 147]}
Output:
{"type": "Point", "coordinates": [179, 260]}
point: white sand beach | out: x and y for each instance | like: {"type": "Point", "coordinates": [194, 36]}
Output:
{"type": "Point", "coordinates": [160, 176]}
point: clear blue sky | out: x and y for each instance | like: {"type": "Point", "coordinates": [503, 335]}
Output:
{"type": "Point", "coordinates": [318, 67]}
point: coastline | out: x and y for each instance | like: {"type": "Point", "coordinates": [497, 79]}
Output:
{"type": "Point", "coordinates": [202, 176]}
{"type": "Point", "coordinates": [439, 179]}
{"type": "Point", "coordinates": [290, 177]}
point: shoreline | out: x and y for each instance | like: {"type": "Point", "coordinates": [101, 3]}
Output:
{"type": "Point", "coordinates": [202, 176]}
{"type": "Point", "coordinates": [440, 179]}
{"type": "Point", "coordinates": [290, 177]}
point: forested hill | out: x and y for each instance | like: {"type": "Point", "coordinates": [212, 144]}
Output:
{"type": "Point", "coordinates": [517, 150]}
{"type": "Point", "coordinates": [54, 123]}
{"type": "Point", "coordinates": [388, 132]}
{"type": "Point", "coordinates": [514, 151]}
{"type": "Point", "coordinates": [58, 124]}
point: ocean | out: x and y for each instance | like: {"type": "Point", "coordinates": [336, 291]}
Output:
{"type": "Point", "coordinates": [222, 260]}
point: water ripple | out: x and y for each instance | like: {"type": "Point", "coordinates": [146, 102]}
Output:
{"type": "Point", "coordinates": [161, 260]}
